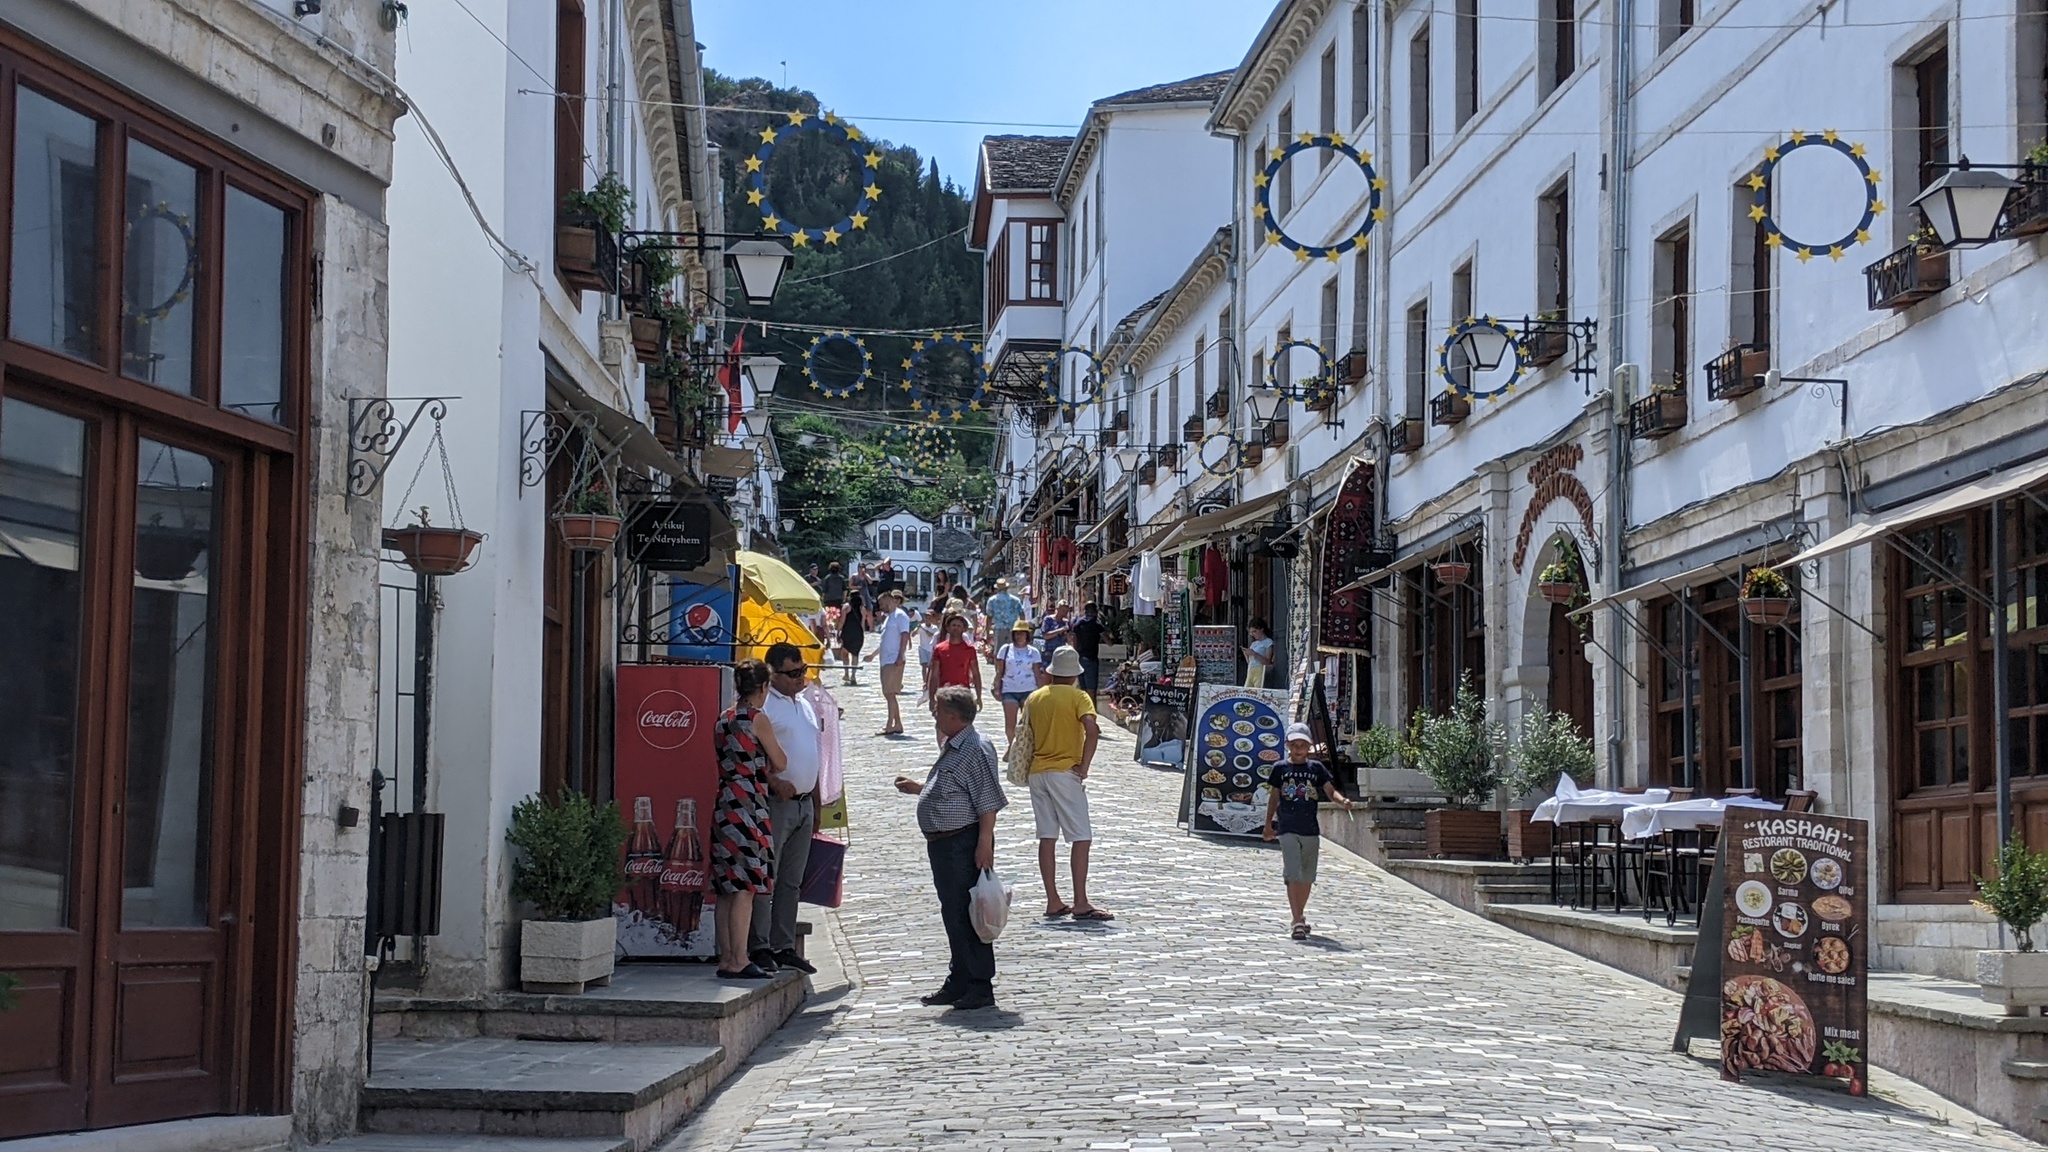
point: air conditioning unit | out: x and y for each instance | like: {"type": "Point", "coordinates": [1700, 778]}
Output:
{"type": "Point", "coordinates": [1627, 379]}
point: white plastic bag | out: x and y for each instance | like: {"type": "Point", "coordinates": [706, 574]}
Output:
{"type": "Point", "coordinates": [988, 905]}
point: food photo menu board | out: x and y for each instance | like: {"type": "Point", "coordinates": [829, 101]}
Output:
{"type": "Point", "coordinates": [1795, 945]}
{"type": "Point", "coordinates": [1238, 737]}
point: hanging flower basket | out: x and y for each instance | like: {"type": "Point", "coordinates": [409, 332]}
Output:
{"type": "Point", "coordinates": [1767, 610]}
{"type": "Point", "coordinates": [163, 553]}
{"type": "Point", "coordinates": [1451, 572]}
{"type": "Point", "coordinates": [1558, 591]}
{"type": "Point", "coordinates": [588, 533]}
{"type": "Point", "coordinates": [434, 551]}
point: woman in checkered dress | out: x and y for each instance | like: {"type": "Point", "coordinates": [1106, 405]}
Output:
{"type": "Point", "coordinates": [742, 849]}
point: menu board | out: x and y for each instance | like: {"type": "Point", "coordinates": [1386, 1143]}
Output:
{"type": "Point", "coordinates": [1238, 736]}
{"type": "Point", "coordinates": [1163, 720]}
{"type": "Point", "coordinates": [1216, 653]}
{"type": "Point", "coordinates": [1795, 945]}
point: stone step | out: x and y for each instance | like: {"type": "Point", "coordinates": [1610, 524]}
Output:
{"type": "Point", "coordinates": [1514, 892]}
{"type": "Point", "coordinates": [207, 1134]}
{"type": "Point", "coordinates": [633, 1095]}
{"type": "Point", "coordinates": [445, 1142]}
{"type": "Point", "coordinates": [2026, 1069]}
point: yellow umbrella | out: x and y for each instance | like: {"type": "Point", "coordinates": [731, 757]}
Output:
{"type": "Point", "coordinates": [761, 625]}
{"type": "Point", "coordinates": [768, 579]}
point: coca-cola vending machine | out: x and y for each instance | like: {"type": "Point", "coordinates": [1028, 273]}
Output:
{"type": "Point", "coordinates": [665, 771]}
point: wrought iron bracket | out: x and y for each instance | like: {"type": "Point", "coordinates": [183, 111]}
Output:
{"type": "Point", "coordinates": [376, 432]}
{"type": "Point", "coordinates": [543, 435]}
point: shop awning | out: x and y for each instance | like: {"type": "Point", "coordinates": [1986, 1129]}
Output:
{"type": "Point", "coordinates": [1983, 491]}
{"type": "Point", "coordinates": [1668, 586]}
{"type": "Point", "coordinates": [1196, 531]}
{"type": "Point", "coordinates": [1120, 557]}
{"type": "Point", "coordinates": [737, 463]}
{"type": "Point", "coordinates": [635, 441]}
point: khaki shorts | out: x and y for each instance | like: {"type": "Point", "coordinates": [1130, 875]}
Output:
{"type": "Point", "coordinates": [892, 679]}
{"type": "Point", "coordinates": [1298, 856]}
{"type": "Point", "coordinates": [1059, 802]}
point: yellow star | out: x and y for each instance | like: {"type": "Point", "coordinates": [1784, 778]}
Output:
{"type": "Point", "coordinates": [1862, 237]}
{"type": "Point", "coordinates": [1805, 254]}
{"type": "Point", "coordinates": [1773, 240]}
{"type": "Point", "coordinates": [1260, 180]}
{"type": "Point", "coordinates": [1334, 139]}
{"type": "Point", "coordinates": [852, 133]}
{"type": "Point", "coordinates": [1332, 255]}
{"type": "Point", "coordinates": [1756, 182]}
{"type": "Point", "coordinates": [906, 367]}
{"type": "Point", "coordinates": [1379, 183]}
{"type": "Point", "coordinates": [831, 235]}
{"type": "Point", "coordinates": [767, 135]}
{"type": "Point", "coordinates": [830, 118]}
{"type": "Point", "coordinates": [859, 341]}
{"type": "Point", "coordinates": [1301, 255]}
{"type": "Point", "coordinates": [1771, 154]}
{"type": "Point", "coordinates": [1379, 213]}
{"type": "Point", "coordinates": [1272, 237]}
{"type": "Point", "coordinates": [874, 159]}
{"type": "Point", "coordinates": [771, 223]}
{"type": "Point", "coordinates": [1875, 177]}
{"type": "Point", "coordinates": [1856, 150]}
{"type": "Point", "coordinates": [974, 348]}
{"type": "Point", "coordinates": [800, 239]}
{"type": "Point", "coordinates": [1799, 137]}
{"type": "Point", "coordinates": [1828, 135]}
{"type": "Point", "coordinates": [974, 405]}
{"type": "Point", "coordinates": [958, 415]}
{"type": "Point", "coordinates": [1835, 253]}
{"type": "Point", "coordinates": [798, 118]}
{"type": "Point", "coordinates": [859, 221]}
{"type": "Point", "coordinates": [1365, 156]}
{"type": "Point", "coordinates": [1877, 207]}
{"type": "Point", "coordinates": [1757, 213]}
{"type": "Point", "coordinates": [1306, 137]}
{"type": "Point", "coordinates": [753, 163]}
{"type": "Point", "coordinates": [755, 196]}
{"type": "Point", "coordinates": [917, 345]}
{"type": "Point", "coordinates": [872, 192]}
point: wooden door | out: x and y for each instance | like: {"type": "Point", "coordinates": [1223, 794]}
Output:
{"type": "Point", "coordinates": [1571, 674]}
{"type": "Point", "coordinates": [121, 562]}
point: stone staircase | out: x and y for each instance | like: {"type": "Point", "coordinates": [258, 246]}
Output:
{"type": "Point", "coordinates": [1382, 829]}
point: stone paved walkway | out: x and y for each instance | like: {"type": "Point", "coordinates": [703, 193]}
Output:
{"type": "Point", "coordinates": [1194, 1022]}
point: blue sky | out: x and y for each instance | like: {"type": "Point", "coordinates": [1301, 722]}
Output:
{"type": "Point", "coordinates": [1022, 61]}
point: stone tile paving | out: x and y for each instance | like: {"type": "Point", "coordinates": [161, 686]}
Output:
{"type": "Point", "coordinates": [1192, 1021]}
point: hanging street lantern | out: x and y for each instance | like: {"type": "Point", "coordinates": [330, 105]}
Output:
{"type": "Point", "coordinates": [1963, 206]}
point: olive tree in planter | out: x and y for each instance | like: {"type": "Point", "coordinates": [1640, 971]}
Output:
{"type": "Point", "coordinates": [570, 867]}
{"type": "Point", "coordinates": [1547, 746]}
{"type": "Point", "coordinates": [2016, 978]}
{"type": "Point", "coordinates": [1460, 753]}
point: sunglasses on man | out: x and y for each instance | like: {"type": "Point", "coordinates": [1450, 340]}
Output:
{"type": "Point", "coordinates": [796, 671]}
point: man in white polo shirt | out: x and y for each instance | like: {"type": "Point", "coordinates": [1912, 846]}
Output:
{"type": "Point", "coordinates": [893, 654]}
{"type": "Point", "coordinates": [792, 809]}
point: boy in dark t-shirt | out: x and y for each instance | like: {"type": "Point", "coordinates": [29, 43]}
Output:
{"type": "Point", "coordinates": [1297, 786]}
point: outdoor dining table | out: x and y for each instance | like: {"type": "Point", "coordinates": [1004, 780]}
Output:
{"type": "Point", "coordinates": [1595, 804]}
{"type": "Point", "coordinates": [1642, 820]}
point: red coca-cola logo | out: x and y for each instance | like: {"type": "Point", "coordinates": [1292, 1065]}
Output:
{"type": "Point", "coordinates": [667, 719]}
{"type": "Point", "coordinates": [690, 878]}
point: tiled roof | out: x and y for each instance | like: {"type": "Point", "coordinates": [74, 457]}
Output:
{"type": "Point", "coordinates": [1023, 163]}
{"type": "Point", "coordinates": [1197, 88]}
{"type": "Point", "coordinates": [1138, 313]}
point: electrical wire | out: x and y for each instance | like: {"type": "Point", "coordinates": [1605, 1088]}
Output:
{"type": "Point", "coordinates": [883, 260]}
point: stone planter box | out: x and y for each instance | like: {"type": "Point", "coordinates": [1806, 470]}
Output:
{"type": "Point", "coordinates": [2016, 981]}
{"type": "Point", "coordinates": [566, 956]}
{"type": "Point", "coordinates": [1462, 832]}
{"type": "Point", "coordinates": [1527, 839]}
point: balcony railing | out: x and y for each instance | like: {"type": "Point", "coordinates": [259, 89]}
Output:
{"type": "Point", "coordinates": [1738, 371]}
{"type": "Point", "coordinates": [1404, 436]}
{"type": "Point", "coordinates": [1253, 453]}
{"type": "Point", "coordinates": [586, 253]}
{"type": "Point", "coordinates": [2026, 211]}
{"type": "Point", "coordinates": [1218, 407]}
{"type": "Point", "coordinates": [1546, 343]}
{"type": "Point", "coordinates": [1906, 277]}
{"type": "Point", "coordinates": [1168, 455]}
{"type": "Point", "coordinates": [1191, 432]}
{"type": "Point", "coordinates": [1657, 415]}
{"type": "Point", "coordinates": [1449, 409]}
{"type": "Point", "coordinates": [1274, 435]}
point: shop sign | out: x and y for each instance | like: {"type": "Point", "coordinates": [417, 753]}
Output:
{"type": "Point", "coordinates": [1237, 740]}
{"type": "Point", "coordinates": [721, 485]}
{"type": "Point", "coordinates": [1163, 721]}
{"type": "Point", "coordinates": [669, 537]}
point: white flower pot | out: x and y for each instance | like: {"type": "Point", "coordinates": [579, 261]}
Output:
{"type": "Point", "coordinates": [566, 955]}
{"type": "Point", "coordinates": [2015, 980]}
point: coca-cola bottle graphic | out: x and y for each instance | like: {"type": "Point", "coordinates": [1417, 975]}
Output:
{"type": "Point", "coordinates": [682, 874]}
{"type": "Point", "coordinates": [643, 859]}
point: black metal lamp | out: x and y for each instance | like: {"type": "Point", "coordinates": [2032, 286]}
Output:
{"type": "Point", "coordinates": [1963, 205]}
{"type": "Point", "coordinates": [1485, 345]}
{"type": "Point", "coordinates": [1266, 404]}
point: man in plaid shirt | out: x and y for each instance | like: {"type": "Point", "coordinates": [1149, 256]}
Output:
{"type": "Point", "coordinates": [956, 810]}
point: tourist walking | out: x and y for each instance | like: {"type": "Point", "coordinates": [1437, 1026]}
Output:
{"type": "Point", "coordinates": [1052, 631]}
{"type": "Point", "coordinates": [742, 847]}
{"type": "Point", "coordinates": [1003, 610]}
{"type": "Point", "coordinates": [853, 634]}
{"type": "Point", "coordinates": [954, 661]}
{"type": "Point", "coordinates": [1063, 740]}
{"type": "Point", "coordinates": [1298, 785]}
{"type": "Point", "coordinates": [893, 655]}
{"type": "Point", "coordinates": [794, 760]}
{"type": "Point", "coordinates": [956, 810]}
{"type": "Point", "coordinates": [1085, 634]}
{"type": "Point", "coordinates": [1020, 671]}
{"type": "Point", "coordinates": [928, 637]}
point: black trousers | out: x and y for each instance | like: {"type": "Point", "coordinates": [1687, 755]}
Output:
{"type": "Point", "coordinates": [954, 874]}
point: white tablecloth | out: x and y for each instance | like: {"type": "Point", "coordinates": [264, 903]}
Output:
{"type": "Point", "coordinates": [1595, 804]}
{"type": "Point", "coordinates": [1644, 820]}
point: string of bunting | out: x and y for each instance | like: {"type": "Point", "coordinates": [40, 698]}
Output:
{"type": "Point", "coordinates": [867, 163]}
{"type": "Point", "coordinates": [840, 391]}
{"type": "Point", "coordinates": [1091, 380]}
{"type": "Point", "coordinates": [1375, 184]}
{"type": "Point", "coordinates": [1504, 385]}
{"type": "Point", "coordinates": [938, 408]}
{"type": "Point", "coordinates": [1761, 185]}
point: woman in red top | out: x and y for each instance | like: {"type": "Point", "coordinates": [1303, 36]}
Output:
{"type": "Point", "coordinates": [953, 660]}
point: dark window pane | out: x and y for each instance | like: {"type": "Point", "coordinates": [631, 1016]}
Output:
{"type": "Point", "coordinates": [42, 498]}
{"type": "Point", "coordinates": [252, 308]}
{"type": "Point", "coordinates": [1959, 691]}
{"type": "Point", "coordinates": [1933, 768]}
{"type": "Point", "coordinates": [54, 281]}
{"type": "Point", "coordinates": [2040, 673]}
{"type": "Point", "coordinates": [1951, 554]}
{"type": "Point", "coordinates": [1959, 755]}
{"type": "Point", "coordinates": [1930, 682]}
{"type": "Point", "coordinates": [1785, 709]}
{"type": "Point", "coordinates": [1920, 622]}
{"type": "Point", "coordinates": [2019, 732]}
{"type": "Point", "coordinates": [160, 269]}
{"type": "Point", "coordinates": [1955, 617]}
{"type": "Point", "coordinates": [170, 693]}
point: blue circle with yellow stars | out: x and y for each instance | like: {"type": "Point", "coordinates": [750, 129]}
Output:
{"type": "Point", "coordinates": [1326, 376]}
{"type": "Point", "coordinates": [1473, 324]}
{"type": "Point", "coordinates": [1759, 183]}
{"type": "Point", "coordinates": [867, 162]}
{"type": "Point", "coordinates": [931, 407]}
{"type": "Point", "coordinates": [1091, 380]}
{"type": "Point", "coordinates": [1335, 142]}
{"type": "Point", "coordinates": [1230, 462]}
{"type": "Point", "coordinates": [162, 210]}
{"type": "Point", "coordinates": [840, 392]}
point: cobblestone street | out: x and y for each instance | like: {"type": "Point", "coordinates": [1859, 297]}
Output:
{"type": "Point", "coordinates": [1192, 1021]}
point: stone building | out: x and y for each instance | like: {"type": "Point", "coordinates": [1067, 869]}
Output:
{"type": "Point", "coordinates": [196, 311]}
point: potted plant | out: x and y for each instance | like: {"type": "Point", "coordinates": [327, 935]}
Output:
{"type": "Point", "coordinates": [1378, 746]}
{"type": "Point", "coordinates": [1547, 341]}
{"type": "Point", "coordinates": [590, 522]}
{"type": "Point", "coordinates": [650, 337]}
{"type": "Point", "coordinates": [646, 276]}
{"type": "Point", "coordinates": [1451, 571]}
{"type": "Point", "coordinates": [570, 866]}
{"type": "Point", "coordinates": [1558, 583]}
{"type": "Point", "coordinates": [1460, 753]}
{"type": "Point", "coordinates": [1766, 597]}
{"type": "Point", "coordinates": [2016, 978]}
{"type": "Point", "coordinates": [1547, 746]}
{"type": "Point", "coordinates": [586, 234]}
{"type": "Point", "coordinates": [432, 551]}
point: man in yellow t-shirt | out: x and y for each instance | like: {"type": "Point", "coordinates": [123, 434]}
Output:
{"type": "Point", "coordinates": [1063, 740]}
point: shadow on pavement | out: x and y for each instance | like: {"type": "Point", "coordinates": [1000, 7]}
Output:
{"type": "Point", "coordinates": [981, 1019]}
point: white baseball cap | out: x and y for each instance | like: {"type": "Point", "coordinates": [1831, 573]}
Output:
{"type": "Point", "coordinates": [1300, 732]}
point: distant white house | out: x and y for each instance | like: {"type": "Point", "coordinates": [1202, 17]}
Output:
{"type": "Point", "coordinates": [927, 556]}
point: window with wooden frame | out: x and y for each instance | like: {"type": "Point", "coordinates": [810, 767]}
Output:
{"type": "Point", "coordinates": [1466, 71]}
{"type": "Point", "coordinates": [1361, 64]}
{"type": "Point", "coordinates": [570, 107]}
{"type": "Point", "coordinates": [1671, 311]}
{"type": "Point", "coordinates": [1445, 635]}
{"type": "Point", "coordinates": [1326, 333]}
{"type": "Point", "coordinates": [1361, 300]}
{"type": "Point", "coordinates": [1418, 101]}
{"type": "Point", "coordinates": [1041, 263]}
{"type": "Point", "coordinates": [2030, 56]}
{"type": "Point", "coordinates": [1922, 132]}
{"type": "Point", "coordinates": [1461, 310]}
{"type": "Point", "coordinates": [998, 291]}
{"type": "Point", "coordinates": [1749, 302]}
{"type": "Point", "coordinates": [1557, 46]}
{"type": "Point", "coordinates": [1696, 693]}
{"type": "Point", "coordinates": [1554, 249]}
{"type": "Point", "coordinates": [1416, 361]}
{"type": "Point", "coordinates": [1933, 655]}
{"type": "Point", "coordinates": [1326, 103]}
{"type": "Point", "coordinates": [1674, 20]}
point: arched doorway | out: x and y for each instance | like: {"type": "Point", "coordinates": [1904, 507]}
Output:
{"type": "Point", "coordinates": [1571, 673]}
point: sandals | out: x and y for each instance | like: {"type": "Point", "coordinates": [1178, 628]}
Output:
{"type": "Point", "coordinates": [1301, 931]}
{"type": "Point", "coordinates": [1094, 914]}
{"type": "Point", "coordinates": [1056, 913]}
